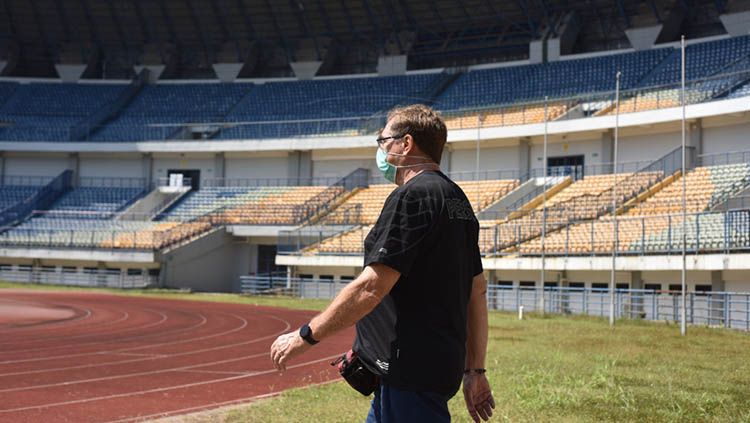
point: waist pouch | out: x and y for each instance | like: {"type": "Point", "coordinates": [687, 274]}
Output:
{"type": "Point", "coordinates": [355, 373]}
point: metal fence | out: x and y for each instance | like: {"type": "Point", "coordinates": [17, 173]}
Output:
{"type": "Point", "coordinates": [107, 278]}
{"type": "Point", "coordinates": [724, 309]}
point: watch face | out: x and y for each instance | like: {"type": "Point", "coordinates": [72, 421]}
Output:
{"type": "Point", "coordinates": [305, 331]}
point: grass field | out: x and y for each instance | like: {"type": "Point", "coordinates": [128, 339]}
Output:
{"type": "Point", "coordinates": [554, 368]}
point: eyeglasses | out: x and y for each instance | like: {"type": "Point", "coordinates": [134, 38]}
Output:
{"type": "Point", "coordinates": [381, 140]}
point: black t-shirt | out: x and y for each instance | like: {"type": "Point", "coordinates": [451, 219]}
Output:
{"type": "Point", "coordinates": [415, 339]}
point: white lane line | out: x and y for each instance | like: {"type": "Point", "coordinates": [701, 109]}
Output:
{"type": "Point", "coordinates": [147, 325]}
{"type": "Point", "coordinates": [124, 316]}
{"type": "Point", "coordinates": [244, 324]}
{"type": "Point", "coordinates": [139, 354]}
{"type": "Point", "coordinates": [151, 372]}
{"type": "Point", "coordinates": [64, 356]}
{"type": "Point", "coordinates": [215, 372]}
{"type": "Point", "coordinates": [86, 315]}
{"type": "Point", "coordinates": [163, 389]}
{"type": "Point", "coordinates": [214, 406]}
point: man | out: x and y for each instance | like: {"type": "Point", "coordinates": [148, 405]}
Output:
{"type": "Point", "coordinates": [419, 304]}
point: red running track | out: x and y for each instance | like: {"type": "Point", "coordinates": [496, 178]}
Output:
{"type": "Point", "coordinates": [112, 358]}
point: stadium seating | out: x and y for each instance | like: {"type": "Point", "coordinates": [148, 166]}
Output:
{"type": "Point", "coordinates": [349, 106]}
{"type": "Point", "coordinates": [212, 199]}
{"type": "Point", "coordinates": [253, 205]}
{"type": "Point", "coordinates": [347, 242]}
{"type": "Point", "coordinates": [321, 99]}
{"type": "Point", "coordinates": [742, 91]}
{"type": "Point", "coordinates": [582, 200]}
{"type": "Point", "coordinates": [13, 194]}
{"type": "Point", "coordinates": [492, 87]}
{"type": "Point", "coordinates": [94, 202]}
{"type": "Point", "coordinates": [47, 112]}
{"type": "Point", "coordinates": [172, 104]}
{"type": "Point", "coordinates": [289, 207]}
{"type": "Point", "coordinates": [701, 60]}
{"type": "Point", "coordinates": [653, 224]}
{"type": "Point", "coordinates": [363, 207]}
{"type": "Point", "coordinates": [506, 116]}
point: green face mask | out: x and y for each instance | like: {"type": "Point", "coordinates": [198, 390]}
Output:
{"type": "Point", "coordinates": [388, 170]}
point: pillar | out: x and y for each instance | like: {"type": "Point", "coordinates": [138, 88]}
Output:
{"type": "Point", "coordinates": [636, 300]}
{"type": "Point", "coordinates": [717, 301]}
{"type": "Point", "coordinates": [524, 159]}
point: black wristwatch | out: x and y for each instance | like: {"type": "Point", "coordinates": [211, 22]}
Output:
{"type": "Point", "coordinates": [306, 333]}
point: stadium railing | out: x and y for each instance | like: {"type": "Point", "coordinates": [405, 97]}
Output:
{"type": "Point", "coordinates": [722, 309]}
{"type": "Point", "coordinates": [43, 198]}
{"type": "Point", "coordinates": [88, 277]}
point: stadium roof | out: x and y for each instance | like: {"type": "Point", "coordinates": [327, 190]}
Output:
{"type": "Point", "coordinates": [117, 34]}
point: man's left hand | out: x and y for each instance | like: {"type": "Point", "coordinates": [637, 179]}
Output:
{"type": "Point", "coordinates": [285, 347]}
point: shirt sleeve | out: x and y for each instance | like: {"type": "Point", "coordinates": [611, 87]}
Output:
{"type": "Point", "coordinates": [399, 232]}
{"type": "Point", "coordinates": [476, 259]}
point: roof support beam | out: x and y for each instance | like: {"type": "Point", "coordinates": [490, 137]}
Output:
{"type": "Point", "coordinates": [63, 19]}
{"type": "Point", "coordinates": [118, 25]}
{"type": "Point", "coordinates": [90, 21]}
{"type": "Point", "coordinates": [168, 21]}
{"type": "Point", "coordinates": [279, 32]}
{"type": "Point", "coordinates": [221, 19]}
{"type": "Point", "coordinates": [246, 19]}
{"type": "Point", "coordinates": [145, 29]}
{"type": "Point", "coordinates": [198, 26]}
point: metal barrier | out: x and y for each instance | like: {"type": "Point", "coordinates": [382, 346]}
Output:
{"type": "Point", "coordinates": [93, 277]}
{"type": "Point", "coordinates": [725, 309]}
{"type": "Point", "coordinates": [718, 309]}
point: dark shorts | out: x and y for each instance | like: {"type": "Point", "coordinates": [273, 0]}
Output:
{"type": "Point", "coordinates": [392, 405]}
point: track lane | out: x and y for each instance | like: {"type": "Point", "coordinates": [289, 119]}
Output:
{"type": "Point", "coordinates": [217, 363]}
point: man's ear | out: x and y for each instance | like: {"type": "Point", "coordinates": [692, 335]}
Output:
{"type": "Point", "coordinates": [408, 143]}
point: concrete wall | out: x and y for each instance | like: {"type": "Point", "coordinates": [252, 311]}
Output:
{"type": "Point", "coordinates": [724, 139]}
{"type": "Point", "coordinates": [206, 264]}
{"type": "Point", "coordinates": [36, 165]}
{"type": "Point", "coordinates": [492, 158]}
{"type": "Point", "coordinates": [647, 146]}
{"type": "Point", "coordinates": [257, 167]}
{"type": "Point", "coordinates": [111, 167]}
{"type": "Point", "coordinates": [340, 162]}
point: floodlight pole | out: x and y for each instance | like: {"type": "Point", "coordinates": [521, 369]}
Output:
{"type": "Point", "coordinates": [613, 279]}
{"type": "Point", "coordinates": [683, 286]}
{"type": "Point", "coordinates": [544, 211]}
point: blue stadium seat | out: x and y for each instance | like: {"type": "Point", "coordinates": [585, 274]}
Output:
{"type": "Point", "coordinates": [701, 60]}
{"type": "Point", "coordinates": [47, 112]}
{"type": "Point", "coordinates": [172, 104]}
{"type": "Point", "coordinates": [321, 99]}
{"type": "Point", "coordinates": [500, 86]}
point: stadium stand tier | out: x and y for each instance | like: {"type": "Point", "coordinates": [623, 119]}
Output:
{"type": "Point", "coordinates": [500, 96]}
{"type": "Point", "coordinates": [651, 225]}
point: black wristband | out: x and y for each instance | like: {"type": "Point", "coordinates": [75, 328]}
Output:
{"type": "Point", "coordinates": [306, 333]}
{"type": "Point", "coordinates": [475, 371]}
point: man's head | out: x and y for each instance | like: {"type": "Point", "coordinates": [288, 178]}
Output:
{"type": "Point", "coordinates": [419, 130]}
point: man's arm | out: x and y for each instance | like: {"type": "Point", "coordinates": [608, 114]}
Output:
{"type": "Point", "coordinates": [477, 392]}
{"type": "Point", "coordinates": [354, 302]}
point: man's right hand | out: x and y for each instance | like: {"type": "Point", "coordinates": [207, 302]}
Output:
{"type": "Point", "coordinates": [478, 396]}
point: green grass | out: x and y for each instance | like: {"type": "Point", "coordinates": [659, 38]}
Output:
{"type": "Point", "coordinates": [554, 368]}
